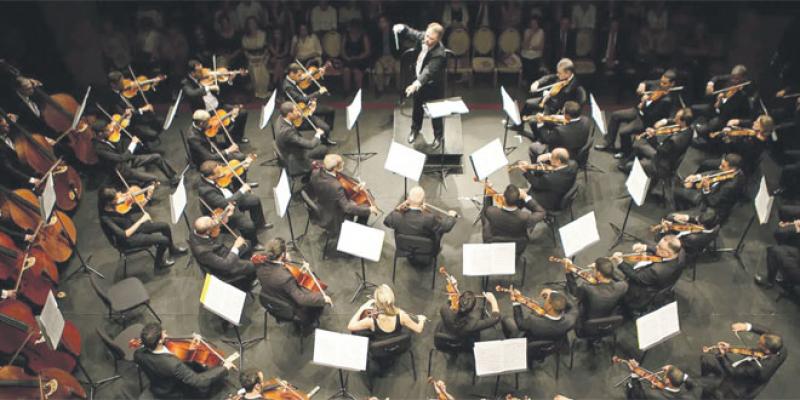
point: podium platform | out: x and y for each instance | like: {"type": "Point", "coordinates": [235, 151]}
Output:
{"type": "Point", "coordinates": [451, 159]}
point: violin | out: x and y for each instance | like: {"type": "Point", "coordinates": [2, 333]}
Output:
{"type": "Point", "coordinates": [660, 131]}
{"type": "Point", "coordinates": [641, 257]}
{"type": "Point", "coordinates": [279, 389]}
{"type": "Point", "coordinates": [130, 87]}
{"type": "Point", "coordinates": [301, 273]}
{"type": "Point", "coordinates": [118, 124]}
{"type": "Point", "coordinates": [557, 119]}
{"type": "Point", "coordinates": [653, 378]}
{"type": "Point", "coordinates": [210, 77]}
{"type": "Point", "coordinates": [742, 351]}
{"type": "Point", "coordinates": [47, 384]}
{"type": "Point", "coordinates": [728, 92]}
{"type": "Point", "coordinates": [233, 168]}
{"type": "Point", "coordinates": [737, 131]}
{"type": "Point", "coordinates": [585, 274]}
{"type": "Point", "coordinates": [555, 89]}
{"type": "Point", "coordinates": [19, 329]}
{"type": "Point", "coordinates": [451, 285]}
{"type": "Point", "coordinates": [670, 226]}
{"type": "Point", "coordinates": [533, 305]}
{"type": "Point", "coordinates": [56, 237]}
{"type": "Point", "coordinates": [219, 120]}
{"type": "Point", "coordinates": [440, 389]}
{"type": "Point", "coordinates": [133, 195]}
{"type": "Point", "coordinates": [311, 75]}
{"type": "Point", "coordinates": [193, 350]}
{"type": "Point", "coordinates": [306, 111]}
{"type": "Point", "coordinates": [488, 191]}
{"type": "Point", "coordinates": [716, 177]}
{"type": "Point", "coordinates": [524, 166]}
{"type": "Point", "coordinates": [658, 93]}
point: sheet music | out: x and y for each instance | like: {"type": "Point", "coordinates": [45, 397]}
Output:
{"type": "Point", "coordinates": [405, 161]}
{"type": "Point", "coordinates": [177, 201]}
{"type": "Point", "coordinates": [484, 259]}
{"type": "Point", "coordinates": [339, 350]}
{"type": "Point", "coordinates": [510, 107]}
{"type": "Point", "coordinates": [353, 111]}
{"type": "Point", "coordinates": [500, 356]}
{"type": "Point", "coordinates": [597, 115]}
{"type": "Point", "coordinates": [267, 110]}
{"type": "Point", "coordinates": [579, 234]}
{"type": "Point", "coordinates": [658, 326]}
{"type": "Point", "coordinates": [763, 202]}
{"type": "Point", "coordinates": [222, 299]}
{"type": "Point", "coordinates": [443, 108]}
{"type": "Point", "coordinates": [637, 183]}
{"type": "Point", "coordinates": [48, 198]}
{"type": "Point", "coordinates": [172, 110]}
{"type": "Point", "coordinates": [51, 321]}
{"type": "Point", "coordinates": [77, 117]}
{"type": "Point", "coordinates": [361, 241]}
{"type": "Point", "coordinates": [282, 193]}
{"type": "Point", "coordinates": [488, 159]}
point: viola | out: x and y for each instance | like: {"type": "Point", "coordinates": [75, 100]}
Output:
{"type": "Point", "coordinates": [522, 166]}
{"type": "Point", "coordinates": [658, 93]}
{"type": "Point", "coordinates": [19, 329]}
{"type": "Point", "coordinates": [49, 383]}
{"type": "Point", "coordinates": [557, 119]}
{"type": "Point", "coordinates": [712, 178]}
{"type": "Point", "coordinates": [440, 389]}
{"type": "Point", "coordinates": [642, 373]}
{"type": "Point", "coordinates": [489, 191]}
{"type": "Point", "coordinates": [143, 83]}
{"type": "Point", "coordinates": [585, 274]}
{"type": "Point", "coordinates": [134, 195]}
{"type": "Point", "coordinates": [56, 237]}
{"type": "Point", "coordinates": [210, 77]}
{"type": "Point", "coordinates": [234, 169]}
{"type": "Point", "coordinates": [742, 351]}
{"type": "Point", "coordinates": [670, 226]}
{"type": "Point", "coordinates": [306, 111]}
{"type": "Point", "coordinates": [117, 125]}
{"type": "Point", "coordinates": [555, 89]}
{"type": "Point", "coordinates": [451, 285]}
{"type": "Point", "coordinates": [728, 92]}
{"type": "Point", "coordinates": [660, 131]}
{"type": "Point", "coordinates": [533, 305]}
{"type": "Point", "coordinates": [193, 350]}
{"type": "Point", "coordinates": [278, 389]}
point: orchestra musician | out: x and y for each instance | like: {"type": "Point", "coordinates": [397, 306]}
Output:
{"type": "Point", "coordinates": [382, 318]}
{"type": "Point", "coordinates": [335, 206]}
{"type": "Point", "coordinates": [129, 232]}
{"type": "Point", "coordinates": [783, 259]}
{"type": "Point", "coordinates": [276, 280]}
{"type": "Point", "coordinates": [725, 106]}
{"type": "Point", "coordinates": [677, 384]}
{"type": "Point", "coordinates": [145, 123]}
{"type": "Point", "coordinates": [659, 154]}
{"type": "Point", "coordinates": [558, 316]}
{"type": "Point", "coordinates": [746, 137]}
{"type": "Point", "coordinates": [656, 103]}
{"type": "Point", "coordinates": [428, 67]}
{"type": "Point", "coordinates": [201, 146]}
{"type": "Point", "coordinates": [16, 173]}
{"type": "Point", "coordinates": [252, 382]}
{"type": "Point", "coordinates": [201, 97]}
{"type": "Point", "coordinates": [721, 195]}
{"type": "Point", "coordinates": [323, 116]}
{"type": "Point", "coordinates": [169, 377]}
{"type": "Point", "coordinates": [600, 299]}
{"type": "Point", "coordinates": [464, 323]}
{"type": "Point", "coordinates": [552, 101]}
{"type": "Point", "coordinates": [788, 230]}
{"type": "Point", "coordinates": [647, 278]}
{"type": "Point", "coordinates": [226, 263]}
{"type": "Point", "coordinates": [412, 217]}
{"type": "Point", "coordinates": [548, 187]}
{"type": "Point", "coordinates": [571, 135]}
{"type": "Point", "coordinates": [28, 106]}
{"type": "Point", "coordinates": [297, 150]}
{"type": "Point", "coordinates": [724, 378]}
{"type": "Point", "coordinates": [516, 219]}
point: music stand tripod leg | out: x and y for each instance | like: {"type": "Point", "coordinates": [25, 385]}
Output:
{"type": "Point", "coordinates": [620, 231]}
{"type": "Point", "coordinates": [93, 386]}
{"type": "Point", "coordinates": [359, 156]}
{"type": "Point", "coordinates": [85, 267]}
{"type": "Point", "coordinates": [342, 393]}
{"type": "Point", "coordinates": [364, 284]}
{"type": "Point", "coordinates": [241, 344]}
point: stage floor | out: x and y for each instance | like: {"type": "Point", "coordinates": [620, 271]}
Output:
{"type": "Point", "coordinates": [723, 292]}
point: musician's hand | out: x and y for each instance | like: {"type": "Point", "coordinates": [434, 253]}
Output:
{"type": "Point", "coordinates": [522, 193]}
{"type": "Point", "coordinates": [421, 318]}
{"type": "Point", "coordinates": [650, 131]}
{"type": "Point", "coordinates": [545, 293]}
{"type": "Point", "coordinates": [323, 90]}
{"type": "Point", "coordinates": [34, 181]}
{"type": "Point", "coordinates": [239, 242]}
{"type": "Point", "coordinates": [9, 294]}
{"type": "Point", "coordinates": [682, 218]}
{"type": "Point", "coordinates": [639, 247]}
{"type": "Point", "coordinates": [145, 217]}
{"type": "Point", "coordinates": [534, 86]}
{"type": "Point", "coordinates": [412, 88]}
{"type": "Point", "coordinates": [136, 140]}
{"type": "Point", "coordinates": [373, 210]}
{"type": "Point", "coordinates": [709, 88]}
{"type": "Point", "coordinates": [319, 132]}
{"type": "Point", "coordinates": [633, 363]}
{"type": "Point", "coordinates": [705, 182]}
{"type": "Point", "coordinates": [723, 347]}
{"type": "Point", "coordinates": [781, 93]}
{"type": "Point", "coordinates": [327, 299]}
{"type": "Point", "coordinates": [734, 122]}
{"type": "Point", "coordinates": [29, 238]}
{"type": "Point", "coordinates": [13, 117]}
{"type": "Point", "coordinates": [616, 258]}
{"type": "Point", "coordinates": [539, 117]}
{"type": "Point", "coordinates": [739, 327]}
{"type": "Point", "coordinates": [245, 188]}
{"type": "Point", "coordinates": [452, 213]}
{"type": "Point", "coordinates": [361, 186]}
{"type": "Point", "coordinates": [543, 157]}
{"type": "Point", "coordinates": [489, 296]}
{"type": "Point", "coordinates": [228, 365]}
{"type": "Point", "coordinates": [213, 88]}
{"type": "Point", "coordinates": [150, 191]}
{"type": "Point", "coordinates": [232, 149]}
{"type": "Point", "coordinates": [50, 141]}
{"type": "Point", "coordinates": [797, 225]}
{"type": "Point", "coordinates": [397, 28]}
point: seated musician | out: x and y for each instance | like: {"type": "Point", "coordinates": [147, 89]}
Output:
{"type": "Point", "coordinates": [515, 220]}
{"type": "Point", "coordinates": [750, 145]}
{"type": "Point", "coordinates": [677, 384]}
{"type": "Point", "coordinates": [217, 196]}
{"type": "Point", "coordinates": [17, 174]}
{"type": "Point", "coordinates": [722, 108]}
{"type": "Point", "coordinates": [200, 146]}
{"type": "Point", "coordinates": [169, 377]}
{"type": "Point", "coordinates": [213, 256]}
{"type": "Point", "coordinates": [252, 382]}
{"type": "Point", "coordinates": [558, 316]}
{"type": "Point", "coordinates": [382, 318]}
{"type": "Point", "coordinates": [788, 229]}
{"type": "Point", "coordinates": [323, 116]}
{"type": "Point", "coordinates": [130, 232]}
{"type": "Point", "coordinates": [550, 102]}
{"type": "Point", "coordinates": [724, 378]}
{"type": "Point", "coordinates": [783, 258]}
{"type": "Point", "coordinates": [571, 135]}
{"type": "Point", "coordinates": [201, 97]}
{"type": "Point", "coordinates": [28, 106]}
{"type": "Point", "coordinates": [466, 324]}
{"type": "Point", "coordinates": [721, 195]}
{"type": "Point", "coordinates": [335, 206]}
{"type": "Point", "coordinates": [297, 150]}
{"type": "Point", "coordinates": [549, 186]}
{"type": "Point", "coordinates": [630, 121]}
{"type": "Point", "coordinates": [647, 278]}
{"type": "Point", "coordinates": [120, 156]}
{"type": "Point", "coordinates": [277, 281]}
{"type": "Point", "coordinates": [659, 154]}
{"type": "Point", "coordinates": [145, 123]}
{"type": "Point", "coordinates": [601, 298]}
{"type": "Point", "coordinates": [412, 218]}
{"type": "Point", "coordinates": [691, 227]}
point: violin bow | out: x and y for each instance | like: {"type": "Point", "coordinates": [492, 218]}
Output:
{"type": "Point", "coordinates": [222, 124]}
{"type": "Point", "coordinates": [314, 278]}
{"type": "Point", "coordinates": [304, 117]}
{"type": "Point", "coordinates": [225, 159]}
{"type": "Point", "coordinates": [309, 75]}
{"type": "Point", "coordinates": [127, 187]}
{"type": "Point", "coordinates": [111, 120]}
{"type": "Point", "coordinates": [743, 84]}
{"type": "Point", "coordinates": [49, 171]}
{"type": "Point", "coordinates": [138, 86]}
{"type": "Point", "coordinates": [214, 69]}
{"type": "Point", "coordinates": [222, 221]}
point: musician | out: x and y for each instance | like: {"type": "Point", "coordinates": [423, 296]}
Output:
{"type": "Point", "coordinates": [334, 205]}
{"type": "Point", "coordinates": [16, 173]}
{"type": "Point", "coordinates": [387, 320]}
{"type": "Point", "coordinates": [466, 324]}
{"type": "Point", "coordinates": [749, 146]}
{"type": "Point", "coordinates": [549, 187]}
{"type": "Point", "coordinates": [602, 298]}
{"type": "Point", "coordinates": [146, 123]}
{"type": "Point", "coordinates": [788, 231]}
{"type": "Point", "coordinates": [677, 385]}
{"type": "Point", "coordinates": [784, 259]}
{"type": "Point", "coordinates": [217, 196]}
{"type": "Point", "coordinates": [28, 106]}
{"type": "Point", "coordinates": [558, 319]}
{"type": "Point", "coordinates": [120, 156]}
{"type": "Point", "coordinates": [692, 242]}
{"type": "Point", "coordinates": [169, 377]}
{"type": "Point", "coordinates": [428, 69]}
{"type": "Point", "coordinates": [646, 279]}
{"type": "Point", "coordinates": [297, 151]}
{"type": "Point", "coordinates": [201, 97]}
{"type": "Point", "coordinates": [411, 217]}
{"type": "Point", "coordinates": [571, 135]}
{"type": "Point", "coordinates": [743, 379]}
{"type": "Point", "coordinates": [323, 116]}
{"type": "Point", "coordinates": [659, 156]}
{"type": "Point", "coordinates": [277, 281]}
{"type": "Point", "coordinates": [226, 263]}
{"type": "Point", "coordinates": [200, 145]}
{"type": "Point", "coordinates": [720, 196]}
{"type": "Point", "coordinates": [723, 108]}
{"type": "Point", "coordinates": [549, 102]}
{"type": "Point", "coordinates": [511, 221]}
{"type": "Point", "coordinates": [130, 232]}
{"type": "Point", "coordinates": [630, 121]}
{"type": "Point", "coordinates": [252, 382]}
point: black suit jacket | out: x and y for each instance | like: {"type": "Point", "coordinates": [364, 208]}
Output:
{"type": "Point", "coordinates": [278, 282]}
{"type": "Point", "coordinates": [724, 195]}
{"type": "Point", "coordinates": [568, 93]}
{"type": "Point", "coordinates": [294, 147]}
{"type": "Point", "coordinates": [200, 148]}
{"type": "Point", "coordinates": [468, 327]}
{"type": "Point", "coordinates": [600, 300]}
{"type": "Point", "coordinates": [549, 188]}
{"type": "Point", "coordinates": [418, 223]}
{"type": "Point", "coordinates": [748, 378]}
{"type": "Point", "coordinates": [656, 110]}
{"type": "Point", "coordinates": [117, 104]}
{"type": "Point", "coordinates": [434, 62]}
{"type": "Point", "coordinates": [27, 118]}
{"type": "Point", "coordinates": [543, 328]}
{"type": "Point", "coordinates": [635, 389]}
{"type": "Point", "coordinates": [646, 281]}
{"type": "Point", "coordinates": [115, 224]}
{"type": "Point", "coordinates": [556, 51]}
{"type": "Point", "coordinates": [111, 154]}
{"type": "Point", "coordinates": [572, 136]}
{"type": "Point", "coordinates": [502, 223]}
{"type": "Point", "coordinates": [670, 149]}
{"type": "Point", "coordinates": [15, 173]}
{"type": "Point", "coordinates": [218, 259]}
{"type": "Point", "coordinates": [194, 92]}
{"type": "Point", "coordinates": [170, 379]}
{"type": "Point", "coordinates": [737, 106]}
{"type": "Point", "coordinates": [213, 196]}
{"type": "Point", "coordinates": [290, 89]}
{"type": "Point", "coordinates": [334, 205]}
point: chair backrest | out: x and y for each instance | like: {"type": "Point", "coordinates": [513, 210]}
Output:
{"type": "Point", "coordinates": [185, 143]}
{"type": "Point", "coordinates": [311, 205]}
{"type": "Point", "coordinates": [116, 351]}
{"type": "Point", "coordinates": [483, 42]}
{"type": "Point", "coordinates": [390, 347]}
{"type": "Point", "coordinates": [412, 245]}
{"type": "Point", "coordinates": [599, 327]}
{"type": "Point", "coordinates": [100, 292]}
{"type": "Point", "coordinates": [509, 41]}
{"type": "Point", "coordinates": [569, 197]}
{"type": "Point", "coordinates": [582, 158]}
{"type": "Point", "coordinates": [332, 44]}
{"type": "Point", "coordinates": [279, 155]}
{"type": "Point", "coordinates": [447, 343]}
{"type": "Point", "coordinates": [109, 236]}
{"type": "Point", "coordinates": [581, 96]}
{"type": "Point", "coordinates": [539, 349]}
{"type": "Point", "coordinates": [277, 307]}
{"type": "Point", "coordinates": [458, 41]}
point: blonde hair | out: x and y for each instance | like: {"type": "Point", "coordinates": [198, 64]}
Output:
{"type": "Point", "coordinates": [437, 28]}
{"type": "Point", "coordinates": [767, 123]}
{"type": "Point", "coordinates": [384, 300]}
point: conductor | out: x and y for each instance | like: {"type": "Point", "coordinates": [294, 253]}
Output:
{"type": "Point", "coordinates": [428, 84]}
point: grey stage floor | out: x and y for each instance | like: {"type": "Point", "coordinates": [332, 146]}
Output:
{"type": "Point", "coordinates": [723, 292]}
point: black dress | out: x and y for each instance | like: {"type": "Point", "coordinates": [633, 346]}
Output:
{"type": "Point", "coordinates": [354, 48]}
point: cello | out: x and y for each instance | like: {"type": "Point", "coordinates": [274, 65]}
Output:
{"type": "Point", "coordinates": [48, 384]}
{"type": "Point", "coordinates": [193, 350]}
{"type": "Point", "coordinates": [56, 237]}
{"type": "Point", "coordinates": [27, 269]}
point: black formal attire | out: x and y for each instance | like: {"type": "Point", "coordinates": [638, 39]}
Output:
{"type": "Point", "coordinates": [171, 379]}
{"type": "Point", "coordinates": [598, 300]}
{"type": "Point", "coordinates": [631, 121]}
{"type": "Point", "coordinates": [737, 106]}
{"type": "Point", "coordinates": [466, 327]}
{"type": "Point", "coordinates": [748, 147]}
{"type": "Point", "coordinates": [534, 327]}
{"type": "Point", "coordinates": [739, 380]}
{"type": "Point", "coordinates": [721, 197]}
{"type": "Point", "coordinates": [510, 223]}
{"type": "Point", "coordinates": [786, 260]}
{"type": "Point", "coordinates": [29, 112]}
{"type": "Point", "coordinates": [222, 261]}
{"type": "Point", "coordinates": [297, 151]}
{"type": "Point", "coordinates": [788, 235]}
{"type": "Point", "coordinates": [200, 98]}
{"type": "Point", "coordinates": [145, 124]}
{"type": "Point", "coordinates": [217, 197]}
{"type": "Point", "coordinates": [549, 187]}
{"type": "Point", "coordinates": [277, 281]}
{"type": "Point", "coordinates": [636, 389]}
{"type": "Point", "coordinates": [15, 174]}
{"type": "Point", "coordinates": [200, 148]}
{"type": "Point", "coordinates": [659, 156]}
{"type": "Point", "coordinates": [645, 282]}
{"type": "Point", "coordinates": [334, 205]}
{"type": "Point", "coordinates": [416, 222]}
{"type": "Point", "coordinates": [323, 116]}
{"type": "Point", "coordinates": [562, 44]}
{"type": "Point", "coordinates": [693, 243]}
{"type": "Point", "coordinates": [571, 136]}
{"type": "Point", "coordinates": [151, 233]}
{"type": "Point", "coordinates": [131, 166]}
{"type": "Point", "coordinates": [554, 103]}
{"type": "Point", "coordinates": [429, 71]}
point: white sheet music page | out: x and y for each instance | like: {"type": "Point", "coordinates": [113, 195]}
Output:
{"type": "Point", "coordinates": [763, 202]}
{"type": "Point", "coordinates": [267, 110]}
{"type": "Point", "coordinates": [51, 321]}
{"type": "Point", "coordinates": [579, 234]}
{"type": "Point", "coordinates": [488, 159]}
{"type": "Point", "coordinates": [658, 326]}
{"type": "Point", "coordinates": [597, 115]}
{"type": "Point", "coordinates": [177, 201]}
{"type": "Point", "coordinates": [510, 107]}
{"type": "Point", "coordinates": [482, 259]}
{"type": "Point", "coordinates": [340, 350]}
{"type": "Point", "coordinates": [443, 108]}
{"type": "Point", "coordinates": [222, 299]}
{"type": "Point", "coordinates": [405, 161]}
{"type": "Point", "coordinates": [637, 183]}
{"type": "Point", "coordinates": [282, 193]}
{"type": "Point", "coordinates": [361, 241]}
{"type": "Point", "coordinates": [353, 111]}
{"type": "Point", "coordinates": [500, 356]}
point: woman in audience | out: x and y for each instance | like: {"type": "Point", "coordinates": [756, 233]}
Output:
{"type": "Point", "coordinates": [306, 46]}
{"type": "Point", "coordinates": [278, 58]}
{"type": "Point", "coordinates": [254, 43]}
{"type": "Point", "coordinates": [355, 53]}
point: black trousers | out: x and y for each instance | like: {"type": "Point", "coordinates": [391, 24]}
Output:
{"type": "Point", "coordinates": [152, 233]}
{"type": "Point", "coordinates": [425, 94]}
{"type": "Point", "coordinates": [245, 225]}
{"type": "Point", "coordinates": [783, 259]}
{"type": "Point", "coordinates": [624, 123]}
{"type": "Point", "coordinates": [252, 204]}
{"type": "Point", "coordinates": [237, 132]}
{"type": "Point", "coordinates": [320, 119]}
{"type": "Point", "coordinates": [147, 126]}
{"type": "Point", "coordinates": [134, 169]}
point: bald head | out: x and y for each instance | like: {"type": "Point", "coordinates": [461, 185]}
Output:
{"type": "Point", "coordinates": [203, 224]}
{"type": "Point", "coordinates": [559, 156]}
{"type": "Point", "coordinates": [416, 196]}
{"type": "Point", "coordinates": [332, 162]}
{"type": "Point", "coordinates": [201, 115]}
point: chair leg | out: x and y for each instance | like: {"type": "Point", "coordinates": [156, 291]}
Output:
{"type": "Point", "coordinates": [572, 352]}
{"type": "Point", "coordinates": [413, 365]}
{"type": "Point", "coordinates": [325, 249]}
{"type": "Point", "coordinates": [394, 267]}
{"type": "Point", "coordinates": [553, 230]}
{"type": "Point", "coordinates": [430, 360]}
{"type": "Point", "coordinates": [139, 375]}
{"type": "Point", "coordinates": [433, 278]}
{"type": "Point", "coordinates": [266, 318]}
{"type": "Point", "coordinates": [124, 265]}
{"type": "Point", "coordinates": [524, 270]}
{"type": "Point", "coordinates": [152, 312]}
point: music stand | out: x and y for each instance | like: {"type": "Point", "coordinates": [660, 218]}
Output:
{"type": "Point", "coordinates": [343, 352]}
{"type": "Point", "coordinates": [488, 259]}
{"type": "Point", "coordinates": [657, 327]}
{"type": "Point", "coordinates": [353, 112]}
{"type": "Point", "coordinates": [177, 207]}
{"type": "Point", "coordinates": [441, 109]}
{"type": "Point", "coordinates": [512, 116]}
{"type": "Point", "coordinates": [282, 193]}
{"type": "Point", "coordinates": [172, 110]}
{"type": "Point", "coordinates": [763, 209]}
{"type": "Point", "coordinates": [363, 242]}
{"type": "Point", "coordinates": [406, 162]}
{"type": "Point", "coordinates": [485, 161]}
{"type": "Point", "coordinates": [266, 117]}
{"type": "Point", "coordinates": [637, 185]}
{"type": "Point", "coordinates": [498, 357]}
{"type": "Point", "coordinates": [227, 302]}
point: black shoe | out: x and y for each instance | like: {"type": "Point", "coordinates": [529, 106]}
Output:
{"type": "Point", "coordinates": [165, 265]}
{"type": "Point", "coordinates": [244, 140]}
{"type": "Point", "coordinates": [762, 281]}
{"type": "Point", "coordinates": [412, 136]}
{"type": "Point", "coordinates": [604, 147]}
{"type": "Point", "coordinates": [436, 143]}
{"type": "Point", "coordinates": [624, 167]}
{"type": "Point", "coordinates": [253, 184]}
{"type": "Point", "coordinates": [177, 250]}
{"type": "Point", "coordinates": [328, 142]}
{"type": "Point", "coordinates": [267, 225]}
{"type": "Point", "coordinates": [619, 155]}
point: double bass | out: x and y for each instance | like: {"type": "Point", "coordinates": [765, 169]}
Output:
{"type": "Point", "coordinates": [33, 271]}
{"type": "Point", "coordinates": [47, 384]}
{"type": "Point", "coordinates": [56, 236]}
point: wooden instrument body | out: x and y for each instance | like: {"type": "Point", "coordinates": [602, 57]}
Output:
{"type": "Point", "coordinates": [55, 384]}
{"type": "Point", "coordinates": [16, 323]}
{"type": "Point", "coordinates": [58, 112]}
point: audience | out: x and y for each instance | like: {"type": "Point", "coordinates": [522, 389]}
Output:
{"type": "Point", "coordinates": [323, 17]}
{"type": "Point", "coordinates": [306, 46]}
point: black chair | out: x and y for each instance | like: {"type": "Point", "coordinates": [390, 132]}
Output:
{"type": "Point", "coordinates": [411, 246]}
{"type": "Point", "coordinates": [539, 350]}
{"type": "Point", "coordinates": [281, 311]}
{"type": "Point", "coordinates": [581, 97]}
{"type": "Point", "coordinates": [123, 297]}
{"type": "Point", "coordinates": [704, 243]}
{"type": "Point", "coordinates": [520, 244]}
{"type": "Point", "coordinates": [119, 348]}
{"type": "Point", "coordinates": [313, 216]}
{"type": "Point", "coordinates": [551, 219]}
{"type": "Point", "coordinates": [390, 349]}
{"type": "Point", "coordinates": [125, 252]}
{"type": "Point", "coordinates": [293, 175]}
{"type": "Point", "coordinates": [450, 345]}
{"type": "Point", "coordinates": [594, 330]}
{"type": "Point", "coordinates": [582, 158]}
